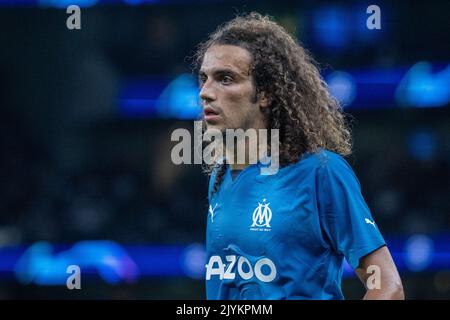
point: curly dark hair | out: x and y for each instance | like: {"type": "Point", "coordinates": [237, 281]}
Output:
{"type": "Point", "coordinates": [307, 116]}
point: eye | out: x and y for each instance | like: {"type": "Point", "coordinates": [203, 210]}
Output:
{"type": "Point", "coordinates": [201, 80]}
{"type": "Point", "coordinates": [226, 80]}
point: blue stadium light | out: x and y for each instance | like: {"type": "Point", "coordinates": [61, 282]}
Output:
{"type": "Point", "coordinates": [419, 250]}
{"type": "Point", "coordinates": [177, 98]}
{"type": "Point", "coordinates": [138, 96]}
{"type": "Point", "coordinates": [66, 3]}
{"type": "Point", "coordinates": [421, 87]}
{"type": "Point", "coordinates": [366, 88]}
{"type": "Point", "coordinates": [139, 2]}
{"type": "Point", "coordinates": [342, 86]}
{"type": "Point", "coordinates": [158, 97]}
{"type": "Point", "coordinates": [39, 264]}
{"type": "Point", "coordinates": [331, 27]}
{"type": "Point", "coordinates": [180, 99]}
{"type": "Point", "coordinates": [193, 260]}
{"type": "Point", "coordinates": [43, 263]}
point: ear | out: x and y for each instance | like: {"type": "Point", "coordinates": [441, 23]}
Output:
{"type": "Point", "coordinates": [264, 100]}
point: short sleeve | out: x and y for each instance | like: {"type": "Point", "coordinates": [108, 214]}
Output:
{"type": "Point", "coordinates": [344, 214]}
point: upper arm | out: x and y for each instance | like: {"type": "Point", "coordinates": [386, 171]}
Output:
{"type": "Point", "coordinates": [377, 271]}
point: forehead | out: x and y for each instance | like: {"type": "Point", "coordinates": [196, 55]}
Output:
{"type": "Point", "coordinates": [230, 57]}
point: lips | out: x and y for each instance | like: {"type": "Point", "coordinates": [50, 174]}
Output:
{"type": "Point", "coordinates": [210, 114]}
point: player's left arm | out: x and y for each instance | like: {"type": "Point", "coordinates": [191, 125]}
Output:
{"type": "Point", "coordinates": [388, 285]}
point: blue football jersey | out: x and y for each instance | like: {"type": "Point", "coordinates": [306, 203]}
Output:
{"type": "Point", "coordinates": [285, 235]}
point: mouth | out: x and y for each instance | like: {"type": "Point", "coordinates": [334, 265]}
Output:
{"type": "Point", "coordinates": [210, 114]}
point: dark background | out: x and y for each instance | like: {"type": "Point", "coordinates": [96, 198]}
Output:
{"type": "Point", "coordinates": [73, 167]}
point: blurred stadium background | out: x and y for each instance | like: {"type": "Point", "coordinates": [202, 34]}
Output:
{"type": "Point", "coordinates": [86, 117]}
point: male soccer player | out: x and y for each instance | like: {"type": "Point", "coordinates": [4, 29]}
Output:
{"type": "Point", "coordinates": [285, 235]}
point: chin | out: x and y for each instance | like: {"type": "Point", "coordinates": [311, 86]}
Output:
{"type": "Point", "coordinates": [214, 127]}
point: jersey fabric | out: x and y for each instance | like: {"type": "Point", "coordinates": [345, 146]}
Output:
{"type": "Point", "coordinates": [285, 235]}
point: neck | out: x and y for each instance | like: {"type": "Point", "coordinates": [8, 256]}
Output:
{"type": "Point", "coordinates": [247, 148]}
{"type": "Point", "coordinates": [236, 166]}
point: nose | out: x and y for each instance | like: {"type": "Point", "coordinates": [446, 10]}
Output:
{"type": "Point", "coordinates": [207, 92]}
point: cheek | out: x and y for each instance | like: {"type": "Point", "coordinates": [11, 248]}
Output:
{"type": "Point", "coordinates": [238, 100]}
{"type": "Point", "coordinates": [235, 110]}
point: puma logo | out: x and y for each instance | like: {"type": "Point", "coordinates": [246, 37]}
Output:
{"type": "Point", "coordinates": [370, 222]}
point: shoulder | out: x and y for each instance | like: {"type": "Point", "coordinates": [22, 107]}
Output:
{"type": "Point", "coordinates": [324, 160]}
{"type": "Point", "coordinates": [328, 166]}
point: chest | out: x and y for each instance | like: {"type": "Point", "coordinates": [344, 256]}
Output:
{"type": "Point", "coordinates": [261, 216]}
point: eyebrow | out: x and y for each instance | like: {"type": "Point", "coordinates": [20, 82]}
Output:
{"type": "Point", "coordinates": [218, 72]}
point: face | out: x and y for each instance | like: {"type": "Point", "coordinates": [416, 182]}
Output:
{"type": "Point", "coordinates": [227, 90]}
